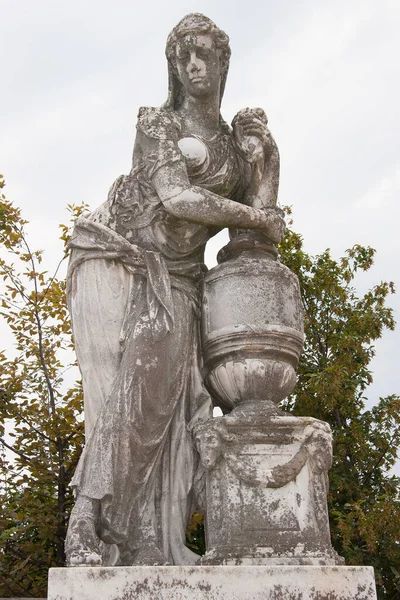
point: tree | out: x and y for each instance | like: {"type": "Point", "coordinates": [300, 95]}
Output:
{"type": "Point", "coordinates": [41, 428]}
{"type": "Point", "coordinates": [333, 376]}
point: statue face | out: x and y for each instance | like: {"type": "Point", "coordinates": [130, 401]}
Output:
{"type": "Point", "coordinates": [198, 65]}
{"type": "Point", "coordinates": [209, 447]}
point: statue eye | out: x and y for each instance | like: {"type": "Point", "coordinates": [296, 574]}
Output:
{"type": "Point", "coordinates": [183, 55]}
{"type": "Point", "coordinates": [202, 53]}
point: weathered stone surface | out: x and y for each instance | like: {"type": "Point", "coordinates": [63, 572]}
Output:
{"type": "Point", "coordinates": [266, 488]}
{"type": "Point", "coordinates": [136, 265]}
{"type": "Point", "coordinates": [212, 583]}
{"type": "Point", "coordinates": [252, 327]}
{"type": "Point", "coordinates": [134, 292]}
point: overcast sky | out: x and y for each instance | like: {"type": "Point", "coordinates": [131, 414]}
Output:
{"type": "Point", "coordinates": [73, 75]}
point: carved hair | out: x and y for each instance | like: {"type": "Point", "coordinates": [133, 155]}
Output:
{"type": "Point", "coordinates": [198, 24]}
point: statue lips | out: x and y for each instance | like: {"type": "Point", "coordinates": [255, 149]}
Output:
{"type": "Point", "coordinates": [197, 80]}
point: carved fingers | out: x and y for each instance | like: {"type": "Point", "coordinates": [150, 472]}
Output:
{"type": "Point", "coordinates": [275, 225]}
{"type": "Point", "coordinates": [249, 126]}
{"type": "Point", "coordinates": [85, 559]}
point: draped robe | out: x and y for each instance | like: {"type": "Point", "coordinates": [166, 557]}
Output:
{"type": "Point", "coordinates": [133, 294]}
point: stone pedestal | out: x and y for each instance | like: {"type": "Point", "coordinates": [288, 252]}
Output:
{"type": "Point", "coordinates": [266, 488]}
{"type": "Point", "coordinates": [212, 583]}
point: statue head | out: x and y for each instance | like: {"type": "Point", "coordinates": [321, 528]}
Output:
{"type": "Point", "coordinates": [210, 438]}
{"type": "Point", "coordinates": [199, 25]}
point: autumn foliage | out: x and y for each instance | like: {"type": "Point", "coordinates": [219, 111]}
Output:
{"type": "Point", "coordinates": [41, 427]}
{"type": "Point", "coordinates": [333, 377]}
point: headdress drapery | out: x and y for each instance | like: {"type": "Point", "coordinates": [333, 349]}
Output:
{"type": "Point", "coordinates": [194, 23]}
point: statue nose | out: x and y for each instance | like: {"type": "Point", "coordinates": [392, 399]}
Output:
{"type": "Point", "coordinates": [194, 63]}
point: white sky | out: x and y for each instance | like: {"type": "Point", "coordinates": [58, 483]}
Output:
{"type": "Point", "coordinates": [73, 75]}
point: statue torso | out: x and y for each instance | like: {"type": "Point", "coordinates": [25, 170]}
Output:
{"type": "Point", "coordinates": [135, 211]}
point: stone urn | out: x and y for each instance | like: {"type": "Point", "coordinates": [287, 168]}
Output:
{"type": "Point", "coordinates": [252, 327]}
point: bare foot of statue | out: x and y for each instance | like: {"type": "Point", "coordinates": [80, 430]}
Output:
{"type": "Point", "coordinates": [82, 545]}
{"type": "Point", "coordinates": [149, 555]}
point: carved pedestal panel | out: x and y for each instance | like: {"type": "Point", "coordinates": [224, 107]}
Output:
{"type": "Point", "coordinates": [266, 488]}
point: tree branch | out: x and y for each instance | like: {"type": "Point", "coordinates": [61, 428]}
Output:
{"type": "Point", "coordinates": [40, 433]}
{"type": "Point", "coordinates": [43, 363]}
{"type": "Point", "coordinates": [315, 333]}
{"type": "Point", "coordinates": [21, 454]}
{"type": "Point", "coordinates": [52, 279]}
{"type": "Point", "coordinates": [368, 476]}
{"type": "Point", "coordinates": [25, 590]}
{"type": "Point", "coordinates": [16, 283]}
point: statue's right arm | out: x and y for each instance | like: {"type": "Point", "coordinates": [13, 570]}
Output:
{"type": "Point", "coordinates": [193, 203]}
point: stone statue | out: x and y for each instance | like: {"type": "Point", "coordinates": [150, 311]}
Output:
{"type": "Point", "coordinates": [134, 296]}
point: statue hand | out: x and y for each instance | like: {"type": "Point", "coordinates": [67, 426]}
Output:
{"type": "Point", "coordinates": [275, 226]}
{"type": "Point", "coordinates": [253, 123]}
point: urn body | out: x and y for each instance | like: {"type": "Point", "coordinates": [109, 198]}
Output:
{"type": "Point", "coordinates": [252, 331]}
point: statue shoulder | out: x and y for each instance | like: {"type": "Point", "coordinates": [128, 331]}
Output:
{"type": "Point", "coordinates": [158, 123]}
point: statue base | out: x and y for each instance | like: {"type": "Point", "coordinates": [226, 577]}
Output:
{"type": "Point", "coordinates": [212, 583]}
{"type": "Point", "coordinates": [266, 488]}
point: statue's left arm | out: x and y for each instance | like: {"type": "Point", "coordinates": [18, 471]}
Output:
{"type": "Point", "coordinates": [254, 142]}
{"type": "Point", "coordinates": [157, 144]}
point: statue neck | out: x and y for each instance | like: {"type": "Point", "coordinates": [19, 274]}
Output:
{"type": "Point", "coordinates": [200, 116]}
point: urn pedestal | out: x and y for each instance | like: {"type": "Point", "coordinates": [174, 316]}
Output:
{"type": "Point", "coordinates": [266, 470]}
{"type": "Point", "coordinates": [266, 487]}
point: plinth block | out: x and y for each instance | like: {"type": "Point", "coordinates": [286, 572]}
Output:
{"type": "Point", "coordinates": [213, 583]}
{"type": "Point", "coordinates": [266, 490]}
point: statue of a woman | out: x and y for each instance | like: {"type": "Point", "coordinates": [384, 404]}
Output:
{"type": "Point", "coordinates": [134, 276]}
